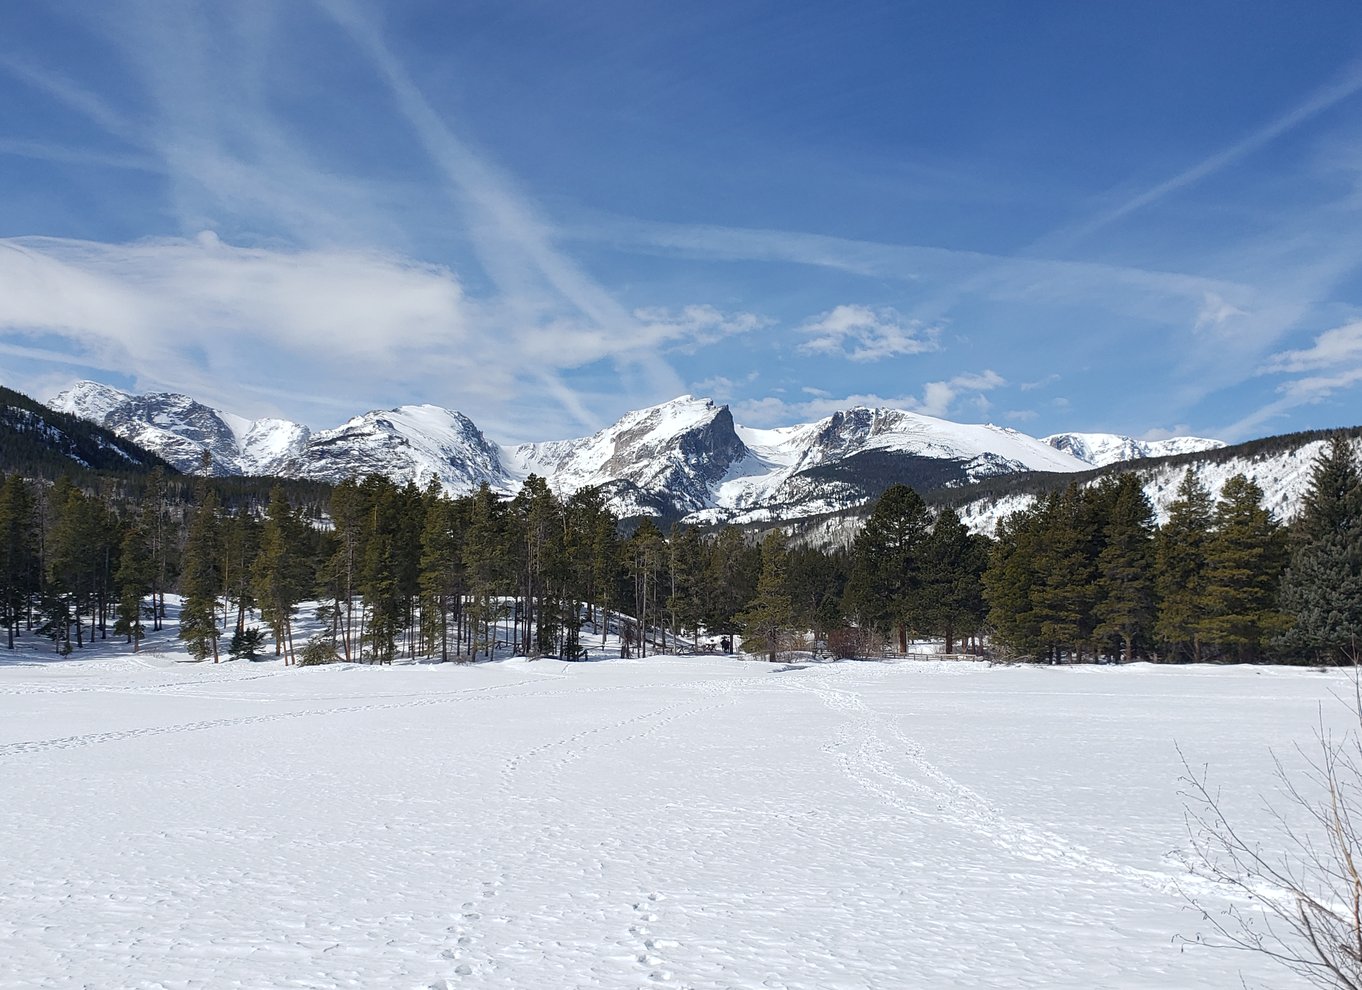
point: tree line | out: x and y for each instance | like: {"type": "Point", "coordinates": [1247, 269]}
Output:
{"type": "Point", "coordinates": [1084, 573]}
{"type": "Point", "coordinates": [396, 570]}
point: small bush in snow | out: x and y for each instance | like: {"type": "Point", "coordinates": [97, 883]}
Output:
{"type": "Point", "coordinates": [317, 652]}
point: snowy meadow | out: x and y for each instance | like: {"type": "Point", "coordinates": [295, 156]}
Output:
{"type": "Point", "coordinates": [691, 821]}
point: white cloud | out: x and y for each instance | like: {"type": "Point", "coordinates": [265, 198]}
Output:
{"type": "Point", "coordinates": [1341, 345]}
{"type": "Point", "coordinates": [1049, 379]}
{"type": "Point", "coordinates": [937, 399]}
{"type": "Point", "coordinates": [197, 310]}
{"type": "Point", "coordinates": [1215, 312]}
{"type": "Point", "coordinates": [860, 333]}
{"type": "Point", "coordinates": [694, 326]}
{"type": "Point", "coordinates": [1336, 352]}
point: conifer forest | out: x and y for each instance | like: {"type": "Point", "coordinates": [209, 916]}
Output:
{"type": "Point", "coordinates": [1082, 575]}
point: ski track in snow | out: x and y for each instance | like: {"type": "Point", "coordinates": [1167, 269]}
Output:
{"type": "Point", "coordinates": [97, 738]}
{"type": "Point", "coordinates": [863, 752]}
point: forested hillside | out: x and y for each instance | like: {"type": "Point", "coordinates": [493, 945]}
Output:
{"type": "Point", "coordinates": [39, 442]}
{"type": "Point", "coordinates": [1083, 574]}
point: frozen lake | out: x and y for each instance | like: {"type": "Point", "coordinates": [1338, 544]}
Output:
{"type": "Point", "coordinates": [688, 822]}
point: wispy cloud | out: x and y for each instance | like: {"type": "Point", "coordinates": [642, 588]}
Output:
{"type": "Point", "coordinates": [1333, 363]}
{"type": "Point", "coordinates": [860, 333]}
{"type": "Point", "coordinates": [937, 399]}
{"type": "Point", "coordinates": [1347, 85]}
{"type": "Point", "coordinates": [201, 312]}
{"type": "Point", "coordinates": [1339, 346]}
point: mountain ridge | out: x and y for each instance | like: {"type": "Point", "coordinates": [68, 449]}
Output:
{"type": "Point", "coordinates": [683, 459]}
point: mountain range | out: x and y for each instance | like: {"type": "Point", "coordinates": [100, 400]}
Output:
{"type": "Point", "coordinates": [683, 459]}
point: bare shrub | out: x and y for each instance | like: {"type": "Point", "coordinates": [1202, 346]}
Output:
{"type": "Point", "coordinates": [1300, 905]}
{"type": "Point", "coordinates": [850, 642]}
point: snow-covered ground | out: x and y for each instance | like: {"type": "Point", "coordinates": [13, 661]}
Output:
{"type": "Point", "coordinates": [691, 822]}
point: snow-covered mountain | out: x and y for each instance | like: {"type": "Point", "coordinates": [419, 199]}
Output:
{"type": "Point", "coordinates": [409, 443]}
{"type": "Point", "coordinates": [669, 458]}
{"type": "Point", "coordinates": [685, 458]}
{"type": "Point", "coordinates": [1101, 449]}
{"type": "Point", "coordinates": [180, 429]}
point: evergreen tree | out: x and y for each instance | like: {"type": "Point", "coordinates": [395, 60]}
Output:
{"type": "Point", "coordinates": [80, 563]}
{"type": "Point", "coordinates": [282, 573]}
{"type": "Point", "coordinates": [732, 568]}
{"type": "Point", "coordinates": [1244, 562]}
{"type": "Point", "coordinates": [1064, 592]}
{"type": "Point", "coordinates": [442, 568]}
{"type": "Point", "coordinates": [18, 554]}
{"type": "Point", "coordinates": [1010, 579]}
{"type": "Point", "coordinates": [1322, 588]}
{"type": "Point", "coordinates": [953, 566]}
{"type": "Point", "coordinates": [816, 582]}
{"type": "Point", "coordinates": [241, 543]}
{"type": "Point", "coordinates": [135, 582]}
{"type": "Point", "coordinates": [1180, 548]}
{"type": "Point", "coordinates": [201, 579]}
{"type": "Point", "coordinates": [484, 560]}
{"type": "Point", "coordinates": [644, 557]}
{"type": "Point", "coordinates": [886, 586]}
{"type": "Point", "coordinates": [769, 619]}
{"type": "Point", "coordinates": [1125, 605]}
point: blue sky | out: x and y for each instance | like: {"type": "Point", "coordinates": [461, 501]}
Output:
{"type": "Point", "coordinates": [1136, 218]}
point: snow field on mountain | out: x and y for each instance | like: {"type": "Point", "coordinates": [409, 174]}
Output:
{"type": "Point", "coordinates": [689, 822]}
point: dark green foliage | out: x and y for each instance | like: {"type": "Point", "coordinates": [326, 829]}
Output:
{"type": "Point", "coordinates": [317, 651]}
{"type": "Point", "coordinates": [1180, 570]}
{"type": "Point", "coordinates": [134, 583]}
{"type": "Point", "coordinates": [886, 588]}
{"type": "Point", "coordinates": [1010, 578]}
{"type": "Point", "coordinates": [731, 574]}
{"type": "Point", "coordinates": [282, 572]}
{"type": "Point", "coordinates": [816, 582]}
{"type": "Point", "coordinates": [246, 644]}
{"type": "Point", "coordinates": [201, 580]}
{"type": "Point", "coordinates": [38, 442]}
{"type": "Point", "coordinates": [1125, 584]}
{"type": "Point", "coordinates": [1244, 561]}
{"type": "Point", "coordinates": [768, 622]}
{"type": "Point", "coordinates": [1322, 587]}
{"type": "Point", "coordinates": [953, 567]}
{"type": "Point", "coordinates": [1065, 592]}
{"type": "Point", "coordinates": [20, 578]}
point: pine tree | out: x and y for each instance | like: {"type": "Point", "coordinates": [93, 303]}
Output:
{"type": "Point", "coordinates": [1322, 588]}
{"type": "Point", "coordinates": [18, 554]}
{"type": "Point", "coordinates": [954, 561]}
{"type": "Point", "coordinates": [644, 556]}
{"type": "Point", "coordinates": [1125, 605]}
{"type": "Point", "coordinates": [201, 579]}
{"type": "Point", "coordinates": [484, 560]}
{"type": "Point", "coordinates": [886, 587]}
{"type": "Point", "coordinates": [769, 619]}
{"type": "Point", "coordinates": [134, 581]}
{"type": "Point", "coordinates": [281, 576]}
{"type": "Point", "coordinates": [1010, 579]}
{"type": "Point", "coordinates": [442, 568]}
{"type": "Point", "coordinates": [816, 582]}
{"type": "Point", "coordinates": [732, 569]}
{"type": "Point", "coordinates": [1065, 589]}
{"type": "Point", "coordinates": [1180, 548]}
{"type": "Point", "coordinates": [1244, 562]}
